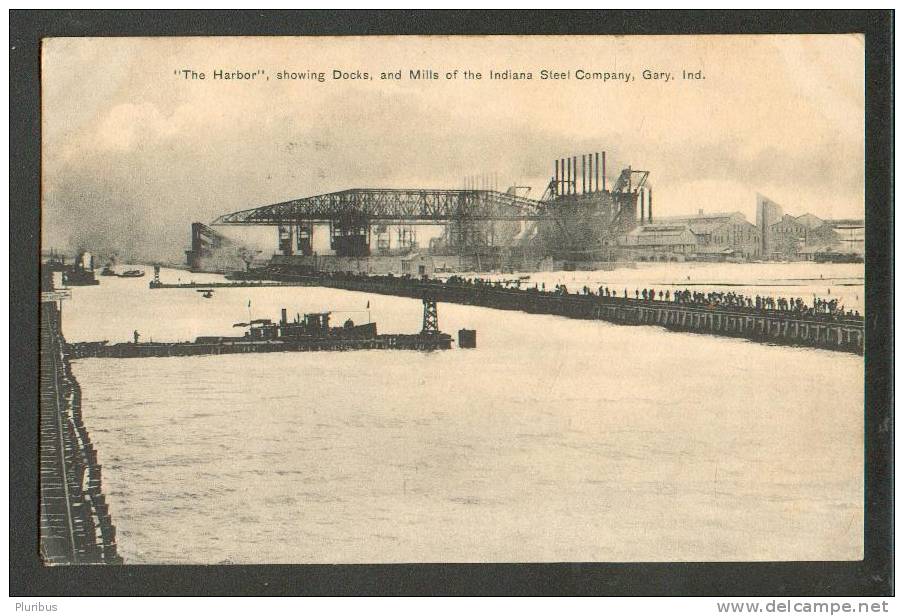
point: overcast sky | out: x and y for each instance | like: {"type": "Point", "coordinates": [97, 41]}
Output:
{"type": "Point", "coordinates": [134, 153]}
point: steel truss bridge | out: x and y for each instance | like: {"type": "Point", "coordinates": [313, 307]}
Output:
{"type": "Point", "coordinates": [359, 206]}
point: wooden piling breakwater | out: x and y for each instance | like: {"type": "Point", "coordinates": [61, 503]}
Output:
{"type": "Point", "coordinates": [844, 334]}
{"type": "Point", "coordinates": [75, 522]}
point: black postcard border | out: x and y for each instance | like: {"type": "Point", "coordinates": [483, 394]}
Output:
{"type": "Point", "coordinates": [870, 577]}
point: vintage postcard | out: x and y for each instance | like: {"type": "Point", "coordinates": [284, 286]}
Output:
{"type": "Point", "coordinates": [452, 299]}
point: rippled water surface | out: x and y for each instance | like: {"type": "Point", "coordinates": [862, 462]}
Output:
{"type": "Point", "coordinates": [554, 440]}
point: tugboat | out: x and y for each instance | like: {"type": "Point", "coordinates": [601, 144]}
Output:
{"type": "Point", "coordinates": [80, 273]}
{"type": "Point", "coordinates": [56, 262]}
{"type": "Point", "coordinates": [109, 271]}
{"type": "Point", "coordinates": [108, 268]}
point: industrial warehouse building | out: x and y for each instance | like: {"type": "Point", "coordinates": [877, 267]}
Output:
{"type": "Point", "coordinates": [712, 237]}
{"type": "Point", "coordinates": [805, 236]}
{"type": "Point", "coordinates": [661, 242]}
{"type": "Point", "coordinates": [722, 233]}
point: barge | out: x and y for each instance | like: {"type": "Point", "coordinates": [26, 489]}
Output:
{"type": "Point", "coordinates": [310, 333]}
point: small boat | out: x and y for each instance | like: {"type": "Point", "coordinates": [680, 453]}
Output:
{"type": "Point", "coordinates": [107, 271]}
{"type": "Point", "coordinates": [132, 274]}
{"type": "Point", "coordinates": [205, 293]}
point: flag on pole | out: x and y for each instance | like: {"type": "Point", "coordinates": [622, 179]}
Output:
{"type": "Point", "coordinates": [368, 304]}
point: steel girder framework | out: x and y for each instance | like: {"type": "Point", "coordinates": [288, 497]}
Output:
{"type": "Point", "coordinates": [382, 205]}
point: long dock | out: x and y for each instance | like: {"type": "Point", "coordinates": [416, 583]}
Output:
{"type": "Point", "coordinates": [75, 523]}
{"type": "Point", "coordinates": [844, 334]}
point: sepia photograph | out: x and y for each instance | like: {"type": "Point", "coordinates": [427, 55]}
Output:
{"type": "Point", "coordinates": [463, 299]}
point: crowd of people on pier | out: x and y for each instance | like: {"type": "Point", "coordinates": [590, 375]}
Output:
{"type": "Point", "coordinates": [714, 299]}
{"type": "Point", "coordinates": [794, 305]}
{"type": "Point", "coordinates": [819, 308]}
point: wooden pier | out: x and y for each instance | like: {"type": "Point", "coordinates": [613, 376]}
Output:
{"type": "Point", "coordinates": [75, 522]}
{"type": "Point", "coordinates": [767, 326]}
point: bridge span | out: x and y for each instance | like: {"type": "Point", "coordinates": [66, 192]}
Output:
{"type": "Point", "coordinates": [389, 205]}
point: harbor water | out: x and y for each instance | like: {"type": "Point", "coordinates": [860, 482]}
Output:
{"type": "Point", "coordinates": [554, 440]}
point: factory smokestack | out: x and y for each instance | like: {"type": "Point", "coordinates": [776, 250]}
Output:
{"type": "Point", "coordinates": [604, 171]}
{"type": "Point", "coordinates": [574, 166]}
{"type": "Point", "coordinates": [568, 178]}
{"type": "Point", "coordinates": [562, 187]}
{"type": "Point", "coordinates": [590, 173]}
{"type": "Point", "coordinates": [561, 176]}
{"type": "Point", "coordinates": [641, 207]}
{"type": "Point", "coordinates": [596, 173]}
{"type": "Point", "coordinates": [572, 175]}
{"type": "Point", "coordinates": [650, 205]}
